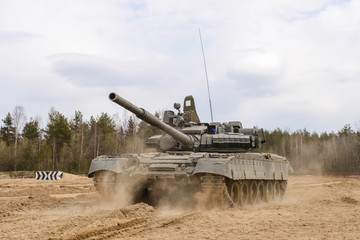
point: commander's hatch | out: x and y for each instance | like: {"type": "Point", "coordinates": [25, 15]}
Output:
{"type": "Point", "coordinates": [190, 110]}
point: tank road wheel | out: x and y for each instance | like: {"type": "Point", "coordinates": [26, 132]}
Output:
{"type": "Point", "coordinates": [269, 191]}
{"type": "Point", "coordinates": [244, 194]}
{"type": "Point", "coordinates": [253, 193]}
{"type": "Point", "coordinates": [235, 192]}
{"type": "Point", "coordinates": [277, 192]}
{"type": "Point", "coordinates": [261, 192]}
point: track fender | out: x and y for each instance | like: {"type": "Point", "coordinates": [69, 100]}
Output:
{"type": "Point", "coordinates": [103, 163]}
{"type": "Point", "coordinates": [214, 166]}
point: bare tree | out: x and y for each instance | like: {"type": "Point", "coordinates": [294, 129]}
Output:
{"type": "Point", "coordinates": [19, 120]}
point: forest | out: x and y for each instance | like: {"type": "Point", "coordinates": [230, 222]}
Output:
{"type": "Point", "coordinates": [69, 144]}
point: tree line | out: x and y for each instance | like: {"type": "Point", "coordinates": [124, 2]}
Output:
{"type": "Point", "coordinates": [69, 144]}
{"type": "Point", "coordinates": [313, 153]}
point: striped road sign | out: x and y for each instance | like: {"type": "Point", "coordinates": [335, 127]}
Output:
{"type": "Point", "coordinates": [48, 175]}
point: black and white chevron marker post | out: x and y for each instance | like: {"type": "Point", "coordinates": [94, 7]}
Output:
{"type": "Point", "coordinates": [48, 175]}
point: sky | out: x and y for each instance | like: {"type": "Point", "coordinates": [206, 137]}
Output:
{"type": "Point", "coordinates": [284, 64]}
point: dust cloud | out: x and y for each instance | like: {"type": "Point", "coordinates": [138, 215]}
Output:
{"type": "Point", "coordinates": [124, 193]}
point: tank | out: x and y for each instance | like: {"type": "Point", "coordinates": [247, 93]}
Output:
{"type": "Point", "coordinates": [193, 163]}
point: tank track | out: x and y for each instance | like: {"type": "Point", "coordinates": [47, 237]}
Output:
{"type": "Point", "coordinates": [240, 193]}
{"type": "Point", "coordinates": [216, 190]}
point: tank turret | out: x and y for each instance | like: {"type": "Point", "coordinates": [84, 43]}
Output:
{"type": "Point", "coordinates": [185, 132]}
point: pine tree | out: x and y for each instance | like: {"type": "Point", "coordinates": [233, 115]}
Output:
{"type": "Point", "coordinates": [8, 131]}
{"type": "Point", "coordinates": [31, 130]}
{"type": "Point", "coordinates": [78, 128]}
{"type": "Point", "coordinates": [58, 133]}
{"type": "Point", "coordinates": [105, 134]}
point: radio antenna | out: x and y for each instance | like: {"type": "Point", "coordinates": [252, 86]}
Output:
{"type": "Point", "coordinates": [207, 79]}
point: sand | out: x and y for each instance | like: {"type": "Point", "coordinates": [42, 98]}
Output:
{"type": "Point", "coordinates": [314, 207]}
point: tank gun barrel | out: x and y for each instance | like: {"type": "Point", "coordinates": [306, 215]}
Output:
{"type": "Point", "coordinates": [152, 120]}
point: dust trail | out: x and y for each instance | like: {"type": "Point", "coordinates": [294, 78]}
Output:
{"type": "Point", "coordinates": [169, 196]}
{"type": "Point", "coordinates": [118, 191]}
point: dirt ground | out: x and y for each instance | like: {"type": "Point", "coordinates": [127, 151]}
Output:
{"type": "Point", "coordinates": [314, 207]}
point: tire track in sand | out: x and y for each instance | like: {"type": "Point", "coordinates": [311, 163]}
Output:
{"type": "Point", "coordinates": [134, 227]}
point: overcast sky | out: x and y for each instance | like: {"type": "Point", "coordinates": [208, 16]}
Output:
{"type": "Point", "coordinates": [287, 64]}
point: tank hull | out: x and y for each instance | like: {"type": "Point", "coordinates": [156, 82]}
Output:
{"type": "Point", "coordinates": [239, 178]}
